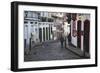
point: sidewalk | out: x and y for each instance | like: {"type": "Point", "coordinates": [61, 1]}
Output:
{"type": "Point", "coordinates": [50, 50]}
{"type": "Point", "coordinates": [77, 51]}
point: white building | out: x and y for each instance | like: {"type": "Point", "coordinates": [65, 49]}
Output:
{"type": "Point", "coordinates": [80, 31]}
{"type": "Point", "coordinates": [37, 27]}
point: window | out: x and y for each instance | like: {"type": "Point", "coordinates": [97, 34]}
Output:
{"type": "Point", "coordinates": [25, 14]}
{"type": "Point", "coordinates": [31, 22]}
{"type": "Point", "coordinates": [25, 22]}
{"type": "Point", "coordinates": [35, 22]}
{"type": "Point", "coordinates": [39, 23]}
{"type": "Point", "coordinates": [50, 20]}
{"type": "Point", "coordinates": [43, 19]}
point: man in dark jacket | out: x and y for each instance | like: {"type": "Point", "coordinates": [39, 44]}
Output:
{"type": "Point", "coordinates": [62, 39]}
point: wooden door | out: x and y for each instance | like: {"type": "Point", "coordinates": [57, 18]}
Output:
{"type": "Point", "coordinates": [86, 35]}
{"type": "Point", "coordinates": [40, 34]}
{"type": "Point", "coordinates": [79, 34]}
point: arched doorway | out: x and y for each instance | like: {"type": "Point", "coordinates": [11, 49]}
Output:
{"type": "Point", "coordinates": [40, 34]}
{"type": "Point", "coordinates": [44, 34]}
{"type": "Point", "coordinates": [86, 35]}
{"type": "Point", "coordinates": [79, 33]}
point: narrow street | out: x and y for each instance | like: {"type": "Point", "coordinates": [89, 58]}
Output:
{"type": "Point", "coordinates": [50, 51]}
{"type": "Point", "coordinates": [42, 28]}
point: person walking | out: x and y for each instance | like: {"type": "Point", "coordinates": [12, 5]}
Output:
{"type": "Point", "coordinates": [62, 40]}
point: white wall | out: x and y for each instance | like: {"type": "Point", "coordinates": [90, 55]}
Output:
{"type": "Point", "coordinates": [73, 38]}
{"type": "Point", "coordinates": [5, 36]}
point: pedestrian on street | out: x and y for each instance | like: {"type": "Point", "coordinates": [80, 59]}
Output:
{"type": "Point", "coordinates": [62, 40]}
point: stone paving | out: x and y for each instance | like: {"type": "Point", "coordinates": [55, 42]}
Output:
{"type": "Point", "coordinates": [50, 51]}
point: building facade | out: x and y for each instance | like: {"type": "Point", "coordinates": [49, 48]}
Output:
{"type": "Point", "coordinates": [80, 31]}
{"type": "Point", "coordinates": [37, 27]}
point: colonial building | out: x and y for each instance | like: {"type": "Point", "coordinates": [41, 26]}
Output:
{"type": "Point", "coordinates": [37, 27]}
{"type": "Point", "coordinates": [80, 31]}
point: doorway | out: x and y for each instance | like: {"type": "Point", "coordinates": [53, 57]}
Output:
{"type": "Point", "coordinates": [79, 34]}
{"type": "Point", "coordinates": [40, 34]}
{"type": "Point", "coordinates": [86, 35]}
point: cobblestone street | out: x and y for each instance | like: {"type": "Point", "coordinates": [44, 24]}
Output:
{"type": "Point", "coordinates": [50, 51]}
